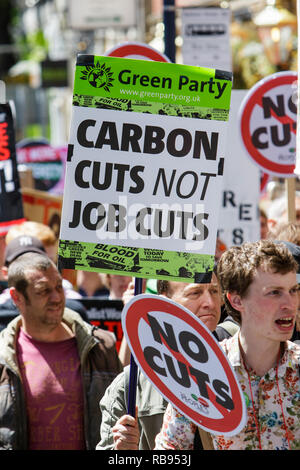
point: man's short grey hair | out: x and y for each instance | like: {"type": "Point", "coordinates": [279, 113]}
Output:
{"type": "Point", "coordinates": [18, 269]}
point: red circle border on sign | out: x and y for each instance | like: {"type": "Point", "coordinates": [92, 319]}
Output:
{"type": "Point", "coordinates": [136, 312]}
{"type": "Point", "coordinates": [284, 78]}
{"type": "Point", "coordinates": [125, 50]}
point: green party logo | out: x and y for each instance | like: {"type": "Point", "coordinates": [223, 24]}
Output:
{"type": "Point", "coordinates": [98, 76]}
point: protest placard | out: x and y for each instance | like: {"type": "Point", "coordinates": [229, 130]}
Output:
{"type": "Point", "coordinates": [144, 168]}
{"type": "Point", "coordinates": [11, 206]}
{"type": "Point", "coordinates": [102, 14]}
{"type": "Point", "coordinates": [137, 50]}
{"type": "Point", "coordinates": [239, 214]}
{"type": "Point", "coordinates": [42, 207]}
{"type": "Point", "coordinates": [183, 360]}
{"type": "Point", "coordinates": [44, 160]}
{"type": "Point", "coordinates": [268, 123]}
{"type": "Point", "coordinates": [206, 37]}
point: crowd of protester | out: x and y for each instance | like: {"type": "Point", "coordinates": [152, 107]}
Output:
{"type": "Point", "coordinates": [64, 384]}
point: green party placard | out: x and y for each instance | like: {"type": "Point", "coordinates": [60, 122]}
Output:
{"type": "Point", "coordinates": [152, 82]}
{"type": "Point", "coordinates": [144, 168]}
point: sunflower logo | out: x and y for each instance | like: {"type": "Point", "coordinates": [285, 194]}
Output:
{"type": "Point", "coordinates": [98, 76]}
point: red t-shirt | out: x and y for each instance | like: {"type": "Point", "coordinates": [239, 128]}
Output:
{"type": "Point", "coordinates": [54, 393]}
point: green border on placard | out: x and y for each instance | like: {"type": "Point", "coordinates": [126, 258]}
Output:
{"type": "Point", "coordinates": [137, 262]}
{"type": "Point", "coordinates": [163, 83]}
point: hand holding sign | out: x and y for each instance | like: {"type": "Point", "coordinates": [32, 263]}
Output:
{"type": "Point", "coordinates": [182, 359]}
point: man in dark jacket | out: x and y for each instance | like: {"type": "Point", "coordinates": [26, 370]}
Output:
{"type": "Point", "coordinates": [15, 248]}
{"type": "Point", "coordinates": [54, 367]}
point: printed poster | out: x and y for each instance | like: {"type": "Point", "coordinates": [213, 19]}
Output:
{"type": "Point", "coordinates": [206, 37]}
{"type": "Point", "coordinates": [44, 160]}
{"type": "Point", "coordinates": [102, 14]}
{"type": "Point", "coordinates": [144, 168]}
{"type": "Point", "coordinates": [239, 213]}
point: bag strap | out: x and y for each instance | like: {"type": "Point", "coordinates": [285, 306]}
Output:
{"type": "Point", "coordinates": [229, 326]}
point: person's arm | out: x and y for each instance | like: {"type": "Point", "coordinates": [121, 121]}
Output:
{"type": "Point", "coordinates": [177, 432]}
{"type": "Point", "coordinates": [118, 430]}
{"type": "Point", "coordinates": [124, 352]}
{"type": "Point", "coordinates": [113, 407]}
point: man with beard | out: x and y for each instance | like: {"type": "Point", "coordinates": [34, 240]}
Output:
{"type": "Point", "coordinates": [54, 366]}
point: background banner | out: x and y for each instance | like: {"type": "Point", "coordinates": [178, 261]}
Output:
{"type": "Point", "coordinates": [11, 206]}
{"type": "Point", "coordinates": [239, 213]}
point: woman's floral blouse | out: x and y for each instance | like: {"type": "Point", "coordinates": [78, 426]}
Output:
{"type": "Point", "coordinates": [277, 432]}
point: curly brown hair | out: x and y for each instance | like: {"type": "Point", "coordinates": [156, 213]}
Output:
{"type": "Point", "coordinates": [238, 265]}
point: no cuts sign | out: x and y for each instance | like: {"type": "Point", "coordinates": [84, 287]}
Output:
{"type": "Point", "coordinates": [183, 360]}
{"type": "Point", "coordinates": [268, 116]}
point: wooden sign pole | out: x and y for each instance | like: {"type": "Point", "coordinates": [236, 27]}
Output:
{"type": "Point", "coordinates": [290, 184]}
